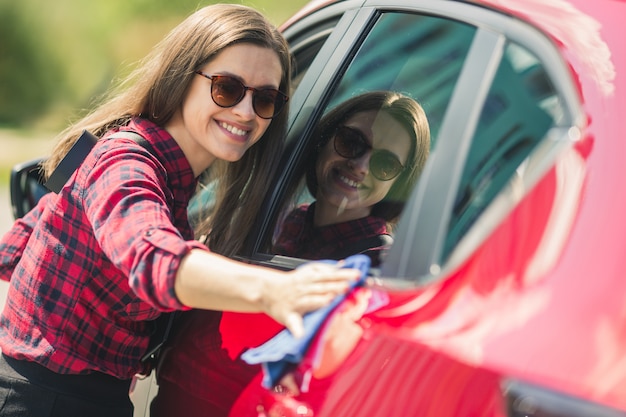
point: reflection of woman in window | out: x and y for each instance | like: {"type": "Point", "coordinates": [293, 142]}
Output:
{"type": "Point", "coordinates": [370, 153]}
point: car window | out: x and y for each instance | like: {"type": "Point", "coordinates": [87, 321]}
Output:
{"type": "Point", "coordinates": [422, 59]}
{"type": "Point", "coordinates": [422, 62]}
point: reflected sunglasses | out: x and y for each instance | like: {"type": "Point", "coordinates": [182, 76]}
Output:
{"type": "Point", "coordinates": [351, 144]}
{"type": "Point", "coordinates": [227, 91]}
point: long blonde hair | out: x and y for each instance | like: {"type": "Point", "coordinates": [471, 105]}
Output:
{"type": "Point", "coordinates": [157, 88]}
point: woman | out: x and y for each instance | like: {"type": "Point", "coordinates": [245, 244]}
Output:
{"type": "Point", "coordinates": [380, 142]}
{"type": "Point", "coordinates": [91, 268]}
{"type": "Point", "coordinates": [370, 153]}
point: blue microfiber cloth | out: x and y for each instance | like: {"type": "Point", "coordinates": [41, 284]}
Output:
{"type": "Point", "coordinates": [283, 352]}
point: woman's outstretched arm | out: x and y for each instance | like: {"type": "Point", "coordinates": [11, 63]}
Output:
{"type": "Point", "coordinates": [210, 281]}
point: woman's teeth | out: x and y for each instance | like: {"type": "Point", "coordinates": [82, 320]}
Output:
{"type": "Point", "coordinates": [348, 181]}
{"type": "Point", "coordinates": [233, 129]}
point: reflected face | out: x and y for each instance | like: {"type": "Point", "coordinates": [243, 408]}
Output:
{"type": "Point", "coordinates": [347, 188]}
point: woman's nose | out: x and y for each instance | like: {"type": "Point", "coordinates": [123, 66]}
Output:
{"type": "Point", "coordinates": [244, 108]}
{"type": "Point", "coordinates": [361, 164]}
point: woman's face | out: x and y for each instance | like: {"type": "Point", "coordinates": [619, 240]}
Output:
{"type": "Point", "coordinates": [347, 190]}
{"type": "Point", "coordinates": [206, 131]}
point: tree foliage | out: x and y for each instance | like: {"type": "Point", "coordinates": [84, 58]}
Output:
{"type": "Point", "coordinates": [56, 57]}
{"type": "Point", "coordinates": [31, 76]}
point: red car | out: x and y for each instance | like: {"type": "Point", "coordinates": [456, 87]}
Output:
{"type": "Point", "coordinates": [504, 292]}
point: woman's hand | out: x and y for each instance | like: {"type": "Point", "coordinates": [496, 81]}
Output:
{"type": "Point", "coordinates": [305, 289]}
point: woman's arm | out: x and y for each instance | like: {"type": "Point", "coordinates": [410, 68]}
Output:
{"type": "Point", "coordinates": [210, 281]}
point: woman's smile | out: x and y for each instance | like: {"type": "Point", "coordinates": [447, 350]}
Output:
{"type": "Point", "coordinates": [236, 133]}
{"type": "Point", "coordinates": [234, 130]}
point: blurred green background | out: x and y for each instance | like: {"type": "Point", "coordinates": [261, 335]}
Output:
{"type": "Point", "coordinates": [57, 56]}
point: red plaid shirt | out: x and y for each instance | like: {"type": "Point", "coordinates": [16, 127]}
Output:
{"type": "Point", "coordinates": [299, 238]}
{"type": "Point", "coordinates": [101, 258]}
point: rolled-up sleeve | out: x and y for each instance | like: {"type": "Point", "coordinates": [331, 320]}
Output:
{"type": "Point", "coordinates": [159, 253]}
{"type": "Point", "coordinates": [128, 204]}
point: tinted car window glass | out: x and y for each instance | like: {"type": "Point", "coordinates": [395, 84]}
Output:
{"type": "Point", "coordinates": [422, 60]}
{"type": "Point", "coordinates": [520, 108]}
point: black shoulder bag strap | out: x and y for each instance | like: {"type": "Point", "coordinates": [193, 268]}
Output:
{"type": "Point", "coordinates": [79, 151]}
{"type": "Point", "coordinates": [70, 163]}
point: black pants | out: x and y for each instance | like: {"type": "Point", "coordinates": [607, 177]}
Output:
{"type": "Point", "coordinates": [30, 390]}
